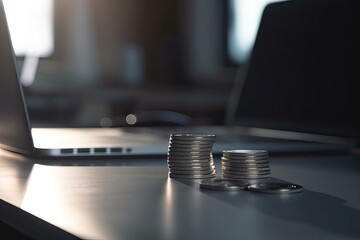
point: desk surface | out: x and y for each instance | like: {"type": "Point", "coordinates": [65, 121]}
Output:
{"type": "Point", "coordinates": [134, 199]}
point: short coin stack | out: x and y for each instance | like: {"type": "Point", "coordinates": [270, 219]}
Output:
{"type": "Point", "coordinates": [190, 156]}
{"type": "Point", "coordinates": [245, 164]}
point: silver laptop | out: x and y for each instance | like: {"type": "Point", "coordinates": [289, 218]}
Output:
{"type": "Point", "coordinates": [261, 120]}
{"type": "Point", "coordinates": [17, 135]}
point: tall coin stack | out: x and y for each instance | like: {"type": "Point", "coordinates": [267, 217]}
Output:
{"type": "Point", "coordinates": [245, 164]}
{"type": "Point", "coordinates": [190, 156]}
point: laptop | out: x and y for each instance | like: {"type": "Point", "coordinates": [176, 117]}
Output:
{"type": "Point", "coordinates": [302, 80]}
{"type": "Point", "coordinates": [16, 133]}
{"type": "Point", "coordinates": [263, 117]}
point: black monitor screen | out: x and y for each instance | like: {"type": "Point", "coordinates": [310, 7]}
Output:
{"type": "Point", "coordinates": [305, 68]}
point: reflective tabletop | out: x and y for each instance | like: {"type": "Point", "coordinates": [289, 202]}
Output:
{"type": "Point", "coordinates": [135, 199]}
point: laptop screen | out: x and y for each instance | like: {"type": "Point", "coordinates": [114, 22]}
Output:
{"type": "Point", "coordinates": [304, 73]}
{"type": "Point", "coordinates": [14, 123]}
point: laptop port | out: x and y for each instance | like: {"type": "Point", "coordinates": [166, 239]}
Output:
{"type": "Point", "coordinates": [83, 150]}
{"type": "Point", "coordinates": [99, 150]}
{"type": "Point", "coordinates": [66, 151]}
{"type": "Point", "coordinates": [117, 150]}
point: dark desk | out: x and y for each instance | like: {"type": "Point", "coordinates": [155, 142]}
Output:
{"type": "Point", "coordinates": [134, 199]}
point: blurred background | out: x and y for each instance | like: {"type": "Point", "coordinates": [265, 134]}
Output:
{"type": "Point", "coordinates": [88, 63]}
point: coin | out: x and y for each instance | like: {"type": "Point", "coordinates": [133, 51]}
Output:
{"type": "Point", "coordinates": [189, 158]}
{"type": "Point", "coordinates": [278, 188]}
{"type": "Point", "coordinates": [245, 152]}
{"type": "Point", "coordinates": [193, 172]}
{"type": "Point", "coordinates": [192, 163]}
{"type": "Point", "coordinates": [245, 165]}
{"type": "Point", "coordinates": [220, 185]}
{"type": "Point", "coordinates": [249, 157]}
{"type": "Point", "coordinates": [252, 158]}
{"type": "Point", "coordinates": [247, 176]}
{"type": "Point", "coordinates": [196, 136]}
{"type": "Point", "coordinates": [188, 148]}
{"type": "Point", "coordinates": [245, 169]}
{"type": "Point", "coordinates": [198, 176]}
{"type": "Point", "coordinates": [191, 169]}
{"type": "Point", "coordinates": [245, 161]}
{"type": "Point", "coordinates": [189, 143]}
{"type": "Point", "coordinates": [189, 153]}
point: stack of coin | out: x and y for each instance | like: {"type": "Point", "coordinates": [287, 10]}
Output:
{"type": "Point", "coordinates": [190, 156]}
{"type": "Point", "coordinates": [245, 164]}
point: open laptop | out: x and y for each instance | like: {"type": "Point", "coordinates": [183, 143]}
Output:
{"type": "Point", "coordinates": [303, 76]}
{"type": "Point", "coordinates": [264, 117]}
{"type": "Point", "coordinates": [17, 135]}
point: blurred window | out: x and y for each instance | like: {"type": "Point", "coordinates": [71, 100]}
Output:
{"type": "Point", "coordinates": [243, 26]}
{"type": "Point", "coordinates": [31, 26]}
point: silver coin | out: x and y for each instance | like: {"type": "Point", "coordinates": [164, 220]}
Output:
{"type": "Point", "coordinates": [249, 158]}
{"type": "Point", "coordinates": [245, 169]}
{"type": "Point", "coordinates": [245, 152]}
{"type": "Point", "coordinates": [200, 176]}
{"type": "Point", "coordinates": [196, 136]}
{"type": "Point", "coordinates": [187, 162]}
{"type": "Point", "coordinates": [278, 188]}
{"type": "Point", "coordinates": [192, 172]}
{"type": "Point", "coordinates": [191, 144]}
{"type": "Point", "coordinates": [206, 168]}
{"type": "Point", "coordinates": [188, 153]}
{"type": "Point", "coordinates": [189, 148]}
{"type": "Point", "coordinates": [244, 157]}
{"type": "Point", "coordinates": [201, 135]}
{"type": "Point", "coordinates": [188, 167]}
{"type": "Point", "coordinates": [243, 174]}
{"type": "Point", "coordinates": [232, 176]}
{"type": "Point", "coordinates": [190, 164]}
{"type": "Point", "coordinates": [244, 161]}
{"type": "Point", "coordinates": [237, 173]}
{"type": "Point", "coordinates": [246, 165]}
{"type": "Point", "coordinates": [184, 142]}
{"type": "Point", "coordinates": [192, 168]}
{"type": "Point", "coordinates": [203, 143]}
{"type": "Point", "coordinates": [220, 185]}
{"type": "Point", "coordinates": [248, 172]}
{"type": "Point", "coordinates": [193, 138]}
{"type": "Point", "coordinates": [189, 158]}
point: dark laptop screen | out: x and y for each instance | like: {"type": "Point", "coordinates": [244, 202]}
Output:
{"type": "Point", "coordinates": [304, 74]}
